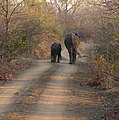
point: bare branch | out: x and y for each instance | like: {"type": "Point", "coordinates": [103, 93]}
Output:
{"type": "Point", "coordinates": [3, 9]}
{"type": "Point", "coordinates": [15, 9]}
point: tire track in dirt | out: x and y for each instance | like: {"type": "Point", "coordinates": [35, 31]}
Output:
{"type": "Point", "coordinates": [12, 90]}
{"type": "Point", "coordinates": [56, 94]}
{"type": "Point", "coordinates": [46, 98]}
{"type": "Point", "coordinates": [55, 97]}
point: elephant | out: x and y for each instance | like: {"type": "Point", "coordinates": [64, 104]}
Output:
{"type": "Point", "coordinates": [72, 41]}
{"type": "Point", "coordinates": [56, 52]}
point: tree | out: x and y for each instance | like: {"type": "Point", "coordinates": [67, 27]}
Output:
{"type": "Point", "coordinates": [66, 10]}
{"type": "Point", "coordinates": [8, 8]}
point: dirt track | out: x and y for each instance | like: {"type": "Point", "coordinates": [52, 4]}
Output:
{"type": "Point", "coordinates": [50, 91]}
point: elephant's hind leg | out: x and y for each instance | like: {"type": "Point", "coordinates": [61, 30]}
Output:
{"type": "Point", "coordinates": [71, 56]}
{"type": "Point", "coordinates": [74, 56]}
{"type": "Point", "coordinates": [52, 56]}
{"type": "Point", "coordinates": [58, 58]}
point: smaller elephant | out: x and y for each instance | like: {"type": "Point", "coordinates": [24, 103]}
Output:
{"type": "Point", "coordinates": [56, 52]}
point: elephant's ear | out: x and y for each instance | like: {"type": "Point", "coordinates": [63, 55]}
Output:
{"type": "Point", "coordinates": [75, 41]}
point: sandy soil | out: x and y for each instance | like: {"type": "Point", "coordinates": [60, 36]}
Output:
{"type": "Point", "coordinates": [51, 91]}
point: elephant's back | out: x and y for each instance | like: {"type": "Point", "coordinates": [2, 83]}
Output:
{"type": "Point", "coordinates": [56, 47]}
{"type": "Point", "coordinates": [72, 40]}
{"type": "Point", "coordinates": [68, 40]}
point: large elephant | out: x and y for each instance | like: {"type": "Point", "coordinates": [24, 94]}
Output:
{"type": "Point", "coordinates": [56, 52]}
{"type": "Point", "coordinates": [72, 42]}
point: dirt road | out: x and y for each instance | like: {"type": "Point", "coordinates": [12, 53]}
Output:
{"type": "Point", "coordinates": [50, 91]}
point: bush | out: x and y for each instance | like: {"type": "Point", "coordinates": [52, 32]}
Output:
{"type": "Point", "coordinates": [107, 53]}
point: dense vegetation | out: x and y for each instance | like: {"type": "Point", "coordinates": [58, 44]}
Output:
{"type": "Point", "coordinates": [28, 28]}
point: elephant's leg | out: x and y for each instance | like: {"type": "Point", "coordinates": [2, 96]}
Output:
{"type": "Point", "coordinates": [70, 56]}
{"type": "Point", "coordinates": [55, 58]}
{"type": "Point", "coordinates": [74, 56]}
{"type": "Point", "coordinates": [52, 56]}
{"type": "Point", "coordinates": [52, 59]}
{"type": "Point", "coordinates": [58, 58]}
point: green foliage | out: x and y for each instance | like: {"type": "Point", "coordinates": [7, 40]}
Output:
{"type": "Point", "coordinates": [110, 54]}
{"type": "Point", "coordinates": [17, 46]}
{"type": "Point", "coordinates": [106, 31]}
{"type": "Point", "coordinates": [106, 40]}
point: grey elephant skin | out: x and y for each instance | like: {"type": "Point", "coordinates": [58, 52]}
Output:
{"type": "Point", "coordinates": [56, 52]}
{"type": "Point", "coordinates": [72, 42]}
